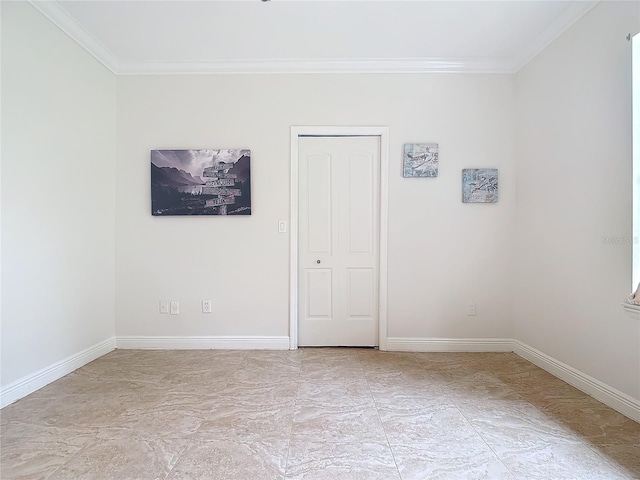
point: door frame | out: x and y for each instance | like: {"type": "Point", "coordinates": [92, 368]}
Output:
{"type": "Point", "coordinates": [339, 131]}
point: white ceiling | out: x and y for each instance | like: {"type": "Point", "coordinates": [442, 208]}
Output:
{"type": "Point", "coordinates": [253, 36]}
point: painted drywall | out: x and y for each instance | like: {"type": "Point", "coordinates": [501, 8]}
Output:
{"type": "Point", "coordinates": [573, 229]}
{"type": "Point", "coordinates": [442, 254]}
{"type": "Point", "coordinates": [58, 140]}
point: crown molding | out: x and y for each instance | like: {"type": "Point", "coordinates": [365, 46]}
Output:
{"type": "Point", "coordinates": [571, 15]}
{"type": "Point", "coordinates": [65, 22]}
{"type": "Point", "coordinates": [58, 15]}
{"type": "Point", "coordinates": [355, 65]}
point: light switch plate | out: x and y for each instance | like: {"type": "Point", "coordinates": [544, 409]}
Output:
{"type": "Point", "coordinates": [175, 308]}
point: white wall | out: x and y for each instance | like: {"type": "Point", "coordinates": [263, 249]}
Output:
{"type": "Point", "coordinates": [536, 265]}
{"type": "Point", "coordinates": [442, 254]}
{"type": "Point", "coordinates": [573, 228]}
{"type": "Point", "coordinates": [58, 127]}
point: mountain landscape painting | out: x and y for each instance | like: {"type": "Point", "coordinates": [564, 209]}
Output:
{"type": "Point", "coordinates": [201, 182]}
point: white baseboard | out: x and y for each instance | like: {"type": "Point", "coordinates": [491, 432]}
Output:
{"type": "Point", "coordinates": [203, 343]}
{"type": "Point", "coordinates": [606, 394]}
{"type": "Point", "coordinates": [29, 384]}
{"type": "Point", "coordinates": [414, 344]}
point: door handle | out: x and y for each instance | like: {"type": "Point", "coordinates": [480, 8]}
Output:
{"type": "Point", "coordinates": [317, 261]}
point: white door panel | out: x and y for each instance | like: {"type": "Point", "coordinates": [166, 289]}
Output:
{"type": "Point", "coordinates": [361, 202]}
{"type": "Point", "coordinates": [319, 288]}
{"type": "Point", "coordinates": [319, 203]}
{"type": "Point", "coordinates": [338, 240]}
{"type": "Point", "coordinates": [360, 283]}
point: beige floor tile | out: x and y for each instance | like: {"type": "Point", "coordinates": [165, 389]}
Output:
{"type": "Point", "coordinates": [330, 355]}
{"type": "Point", "coordinates": [197, 382]}
{"type": "Point", "coordinates": [123, 459]}
{"type": "Point", "coordinates": [265, 374]}
{"type": "Point", "coordinates": [145, 373]}
{"type": "Point", "coordinates": [250, 393]}
{"type": "Point", "coordinates": [34, 435]}
{"type": "Point", "coordinates": [558, 460]}
{"type": "Point", "coordinates": [331, 374]}
{"type": "Point", "coordinates": [450, 367]}
{"type": "Point", "coordinates": [245, 421]}
{"type": "Point", "coordinates": [334, 413]}
{"type": "Point", "coordinates": [232, 459]}
{"type": "Point", "coordinates": [450, 459]}
{"type": "Point", "coordinates": [404, 384]}
{"type": "Point", "coordinates": [90, 382]}
{"type": "Point", "coordinates": [386, 362]}
{"type": "Point", "coordinates": [31, 463]}
{"type": "Point", "coordinates": [412, 420]}
{"type": "Point", "coordinates": [189, 403]}
{"type": "Point", "coordinates": [530, 379]}
{"type": "Point", "coordinates": [502, 423]}
{"type": "Point", "coordinates": [335, 395]}
{"type": "Point", "coordinates": [204, 359]}
{"type": "Point", "coordinates": [549, 395]}
{"type": "Point", "coordinates": [144, 421]}
{"type": "Point", "coordinates": [344, 424]}
{"type": "Point", "coordinates": [502, 363]}
{"type": "Point", "coordinates": [626, 457]}
{"type": "Point", "coordinates": [482, 390]}
{"type": "Point", "coordinates": [275, 359]}
{"type": "Point", "coordinates": [310, 460]}
{"type": "Point", "coordinates": [36, 451]}
{"type": "Point", "coordinates": [595, 422]}
{"type": "Point", "coordinates": [75, 410]}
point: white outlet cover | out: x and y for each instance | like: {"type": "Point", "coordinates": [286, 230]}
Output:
{"type": "Point", "coordinates": [206, 306]}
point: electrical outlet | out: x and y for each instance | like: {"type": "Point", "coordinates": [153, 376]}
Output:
{"type": "Point", "coordinates": [175, 308]}
{"type": "Point", "coordinates": [206, 306]}
{"type": "Point", "coordinates": [164, 307]}
{"type": "Point", "coordinates": [471, 309]}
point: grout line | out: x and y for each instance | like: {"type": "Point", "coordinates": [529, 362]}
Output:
{"type": "Point", "coordinates": [180, 457]}
{"type": "Point", "coordinates": [485, 441]}
{"type": "Point", "coordinates": [190, 439]}
{"type": "Point", "coordinates": [452, 400]}
{"type": "Point", "coordinates": [293, 418]}
{"type": "Point", "coordinates": [375, 403]}
{"type": "Point", "coordinates": [605, 458]}
{"type": "Point", "coordinates": [70, 458]}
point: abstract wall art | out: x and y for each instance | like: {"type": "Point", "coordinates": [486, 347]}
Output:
{"type": "Point", "coordinates": [420, 160]}
{"type": "Point", "coordinates": [480, 185]}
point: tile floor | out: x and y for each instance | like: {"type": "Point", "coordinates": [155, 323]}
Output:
{"type": "Point", "coordinates": [314, 414]}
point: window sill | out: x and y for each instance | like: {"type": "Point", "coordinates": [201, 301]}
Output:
{"type": "Point", "coordinates": [632, 310]}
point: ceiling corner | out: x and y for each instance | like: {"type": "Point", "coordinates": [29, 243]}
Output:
{"type": "Point", "coordinates": [575, 12]}
{"type": "Point", "coordinates": [60, 18]}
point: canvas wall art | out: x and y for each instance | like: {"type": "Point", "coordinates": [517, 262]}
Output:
{"type": "Point", "coordinates": [480, 185]}
{"type": "Point", "coordinates": [201, 182]}
{"type": "Point", "coordinates": [420, 160]}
